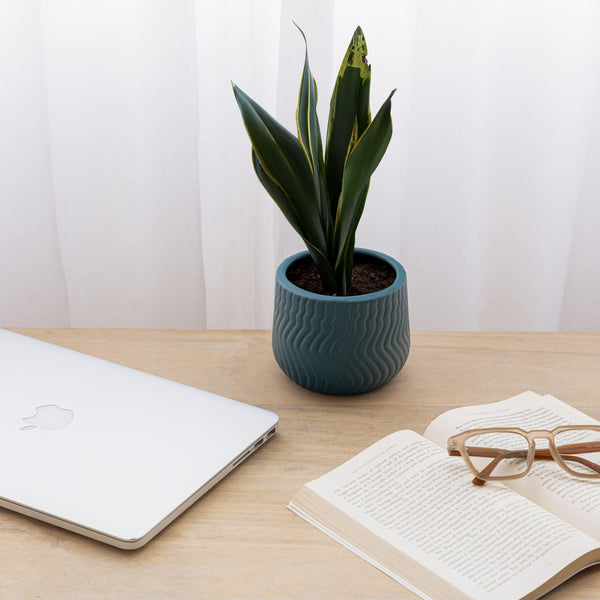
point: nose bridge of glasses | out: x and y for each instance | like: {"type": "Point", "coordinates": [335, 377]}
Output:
{"type": "Point", "coordinates": [541, 434]}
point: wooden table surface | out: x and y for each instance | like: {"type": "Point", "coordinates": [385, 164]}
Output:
{"type": "Point", "coordinates": [240, 540]}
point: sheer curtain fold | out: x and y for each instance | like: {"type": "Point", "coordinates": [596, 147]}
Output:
{"type": "Point", "coordinates": [128, 199]}
{"type": "Point", "coordinates": [113, 93]}
{"type": "Point", "coordinates": [236, 40]}
{"type": "Point", "coordinates": [31, 266]}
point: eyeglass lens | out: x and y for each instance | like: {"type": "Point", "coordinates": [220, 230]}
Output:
{"type": "Point", "coordinates": [580, 450]}
{"type": "Point", "coordinates": [498, 454]}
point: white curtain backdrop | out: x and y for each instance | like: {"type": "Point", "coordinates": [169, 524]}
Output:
{"type": "Point", "coordinates": [127, 196]}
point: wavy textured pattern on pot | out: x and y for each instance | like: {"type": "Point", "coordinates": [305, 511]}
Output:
{"type": "Point", "coordinates": [341, 345]}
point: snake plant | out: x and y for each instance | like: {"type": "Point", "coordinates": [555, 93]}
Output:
{"type": "Point", "coordinates": [322, 191]}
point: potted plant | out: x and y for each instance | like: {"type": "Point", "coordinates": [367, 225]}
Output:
{"type": "Point", "coordinates": [332, 339]}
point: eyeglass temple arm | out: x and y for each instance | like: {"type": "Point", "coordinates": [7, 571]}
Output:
{"type": "Point", "coordinates": [573, 449]}
{"type": "Point", "coordinates": [499, 455]}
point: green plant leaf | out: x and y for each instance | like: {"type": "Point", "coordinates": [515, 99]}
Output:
{"type": "Point", "coordinates": [306, 113]}
{"type": "Point", "coordinates": [287, 207]}
{"type": "Point", "coordinates": [309, 135]}
{"type": "Point", "coordinates": [325, 268]}
{"type": "Point", "coordinates": [283, 201]}
{"type": "Point", "coordinates": [278, 150]}
{"type": "Point", "coordinates": [349, 114]}
{"type": "Point", "coordinates": [284, 162]}
{"type": "Point", "coordinates": [360, 165]}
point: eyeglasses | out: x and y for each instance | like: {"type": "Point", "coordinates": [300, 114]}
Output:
{"type": "Point", "coordinates": [503, 453]}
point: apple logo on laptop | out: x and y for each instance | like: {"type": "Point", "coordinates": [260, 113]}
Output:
{"type": "Point", "coordinates": [49, 416]}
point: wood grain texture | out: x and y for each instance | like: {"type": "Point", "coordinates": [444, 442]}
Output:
{"type": "Point", "coordinates": [240, 541]}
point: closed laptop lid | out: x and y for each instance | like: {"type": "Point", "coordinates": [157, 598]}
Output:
{"type": "Point", "coordinates": [108, 451]}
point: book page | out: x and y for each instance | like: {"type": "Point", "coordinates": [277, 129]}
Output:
{"type": "Point", "coordinates": [576, 500]}
{"type": "Point", "coordinates": [488, 542]}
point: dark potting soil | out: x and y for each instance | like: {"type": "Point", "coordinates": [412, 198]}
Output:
{"type": "Point", "coordinates": [368, 275]}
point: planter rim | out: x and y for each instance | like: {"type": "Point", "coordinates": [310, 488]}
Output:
{"type": "Point", "coordinates": [400, 280]}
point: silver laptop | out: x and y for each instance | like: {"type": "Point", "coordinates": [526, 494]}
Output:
{"type": "Point", "coordinates": [107, 451]}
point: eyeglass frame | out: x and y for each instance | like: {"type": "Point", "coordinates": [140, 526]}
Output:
{"type": "Point", "coordinates": [456, 447]}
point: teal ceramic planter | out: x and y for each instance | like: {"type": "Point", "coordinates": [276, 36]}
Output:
{"type": "Point", "coordinates": [341, 345]}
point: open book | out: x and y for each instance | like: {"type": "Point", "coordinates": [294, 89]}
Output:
{"type": "Point", "coordinates": [412, 511]}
